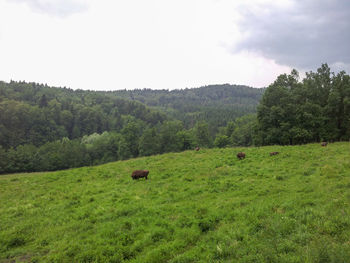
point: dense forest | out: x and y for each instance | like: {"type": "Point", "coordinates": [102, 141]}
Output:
{"type": "Point", "coordinates": [47, 128]}
{"type": "Point", "coordinates": [214, 104]}
{"type": "Point", "coordinates": [31, 113]}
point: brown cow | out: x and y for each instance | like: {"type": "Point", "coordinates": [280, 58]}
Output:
{"type": "Point", "coordinates": [139, 174]}
{"type": "Point", "coordinates": [324, 144]}
{"type": "Point", "coordinates": [241, 155]}
{"type": "Point", "coordinates": [197, 149]}
{"type": "Point", "coordinates": [273, 153]}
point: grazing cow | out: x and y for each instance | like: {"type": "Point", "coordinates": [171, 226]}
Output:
{"type": "Point", "coordinates": [139, 174]}
{"type": "Point", "coordinates": [241, 155]}
{"type": "Point", "coordinates": [197, 149]}
{"type": "Point", "coordinates": [273, 153]}
{"type": "Point", "coordinates": [324, 144]}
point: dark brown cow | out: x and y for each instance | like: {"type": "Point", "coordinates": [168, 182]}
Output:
{"type": "Point", "coordinates": [139, 174]}
{"type": "Point", "coordinates": [241, 155]}
{"type": "Point", "coordinates": [273, 153]}
{"type": "Point", "coordinates": [324, 144]}
{"type": "Point", "coordinates": [197, 149]}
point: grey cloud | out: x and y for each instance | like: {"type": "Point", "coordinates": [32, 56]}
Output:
{"type": "Point", "coordinates": [61, 8]}
{"type": "Point", "coordinates": [304, 35]}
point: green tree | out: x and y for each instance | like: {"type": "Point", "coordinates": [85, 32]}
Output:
{"type": "Point", "coordinates": [243, 134]}
{"type": "Point", "coordinates": [276, 111]}
{"type": "Point", "coordinates": [26, 158]}
{"type": "Point", "coordinates": [186, 139]}
{"type": "Point", "coordinates": [169, 140]}
{"type": "Point", "coordinates": [124, 151]}
{"type": "Point", "coordinates": [202, 136]}
{"type": "Point", "coordinates": [149, 142]}
{"type": "Point", "coordinates": [131, 134]}
{"type": "Point", "coordinates": [229, 128]}
{"type": "Point", "coordinates": [221, 141]}
{"type": "Point", "coordinates": [43, 101]}
{"type": "Point", "coordinates": [293, 112]}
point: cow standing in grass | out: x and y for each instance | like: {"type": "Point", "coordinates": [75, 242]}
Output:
{"type": "Point", "coordinates": [139, 174]}
{"type": "Point", "coordinates": [241, 155]}
{"type": "Point", "coordinates": [324, 144]}
{"type": "Point", "coordinates": [273, 153]}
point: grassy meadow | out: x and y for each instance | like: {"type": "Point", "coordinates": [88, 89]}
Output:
{"type": "Point", "coordinates": [204, 206]}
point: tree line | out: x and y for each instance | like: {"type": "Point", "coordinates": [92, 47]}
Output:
{"type": "Point", "coordinates": [298, 111]}
{"type": "Point", "coordinates": [44, 128]}
{"type": "Point", "coordinates": [315, 109]}
{"type": "Point", "coordinates": [133, 140]}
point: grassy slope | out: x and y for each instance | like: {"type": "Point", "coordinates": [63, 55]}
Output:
{"type": "Point", "coordinates": [201, 206]}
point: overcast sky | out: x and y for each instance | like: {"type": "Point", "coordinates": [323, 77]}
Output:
{"type": "Point", "coordinates": [168, 44]}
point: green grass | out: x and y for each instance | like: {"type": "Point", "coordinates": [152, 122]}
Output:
{"type": "Point", "coordinates": [201, 206]}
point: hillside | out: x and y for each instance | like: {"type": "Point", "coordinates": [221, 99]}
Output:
{"type": "Point", "coordinates": [32, 113]}
{"type": "Point", "coordinates": [203, 206]}
{"type": "Point", "coordinates": [215, 104]}
{"type": "Point", "coordinates": [46, 128]}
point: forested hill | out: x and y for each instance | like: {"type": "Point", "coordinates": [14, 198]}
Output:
{"type": "Point", "coordinates": [215, 104]}
{"type": "Point", "coordinates": [33, 113]}
{"type": "Point", "coordinates": [46, 128]}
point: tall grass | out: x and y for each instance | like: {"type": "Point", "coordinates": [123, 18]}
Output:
{"type": "Point", "coordinates": [204, 206]}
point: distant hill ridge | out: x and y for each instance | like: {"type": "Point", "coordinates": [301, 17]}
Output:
{"type": "Point", "coordinates": [215, 104]}
{"type": "Point", "coordinates": [205, 95]}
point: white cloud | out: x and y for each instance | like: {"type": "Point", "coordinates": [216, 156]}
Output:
{"type": "Point", "coordinates": [130, 44]}
{"type": "Point", "coordinates": [61, 8]}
